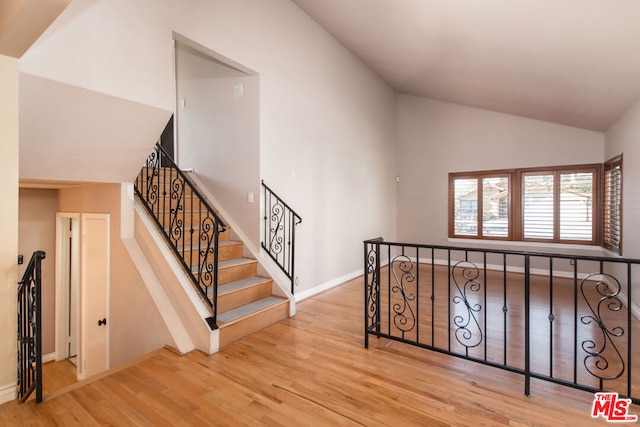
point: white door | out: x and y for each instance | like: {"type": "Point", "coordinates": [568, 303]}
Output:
{"type": "Point", "coordinates": [95, 294]}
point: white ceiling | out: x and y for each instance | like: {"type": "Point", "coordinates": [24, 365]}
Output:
{"type": "Point", "coordinates": [573, 62]}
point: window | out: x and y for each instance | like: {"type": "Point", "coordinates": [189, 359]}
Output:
{"type": "Point", "coordinates": [481, 193]}
{"type": "Point", "coordinates": [549, 205]}
{"type": "Point", "coordinates": [612, 220]}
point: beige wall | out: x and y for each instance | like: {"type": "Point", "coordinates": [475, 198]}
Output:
{"type": "Point", "coordinates": [136, 326]}
{"type": "Point", "coordinates": [37, 231]}
{"type": "Point", "coordinates": [8, 223]}
{"type": "Point", "coordinates": [436, 138]}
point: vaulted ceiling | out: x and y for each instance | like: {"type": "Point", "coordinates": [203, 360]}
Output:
{"type": "Point", "coordinates": [573, 62]}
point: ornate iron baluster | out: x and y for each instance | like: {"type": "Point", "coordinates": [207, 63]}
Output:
{"type": "Point", "coordinates": [404, 318]}
{"type": "Point", "coordinates": [469, 272]}
{"type": "Point", "coordinates": [371, 289]}
{"type": "Point", "coordinates": [596, 362]}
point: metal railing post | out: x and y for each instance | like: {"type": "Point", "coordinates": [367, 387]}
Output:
{"type": "Point", "coordinates": [527, 325]}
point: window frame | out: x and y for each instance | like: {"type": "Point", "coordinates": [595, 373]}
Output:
{"type": "Point", "coordinates": [516, 202]}
{"type": "Point", "coordinates": [479, 176]}
{"type": "Point", "coordinates": [611, 164]}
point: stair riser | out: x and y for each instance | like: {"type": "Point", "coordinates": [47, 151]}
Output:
{"type": "Point", "coordinates": [187, 218]}
{"type": "Point", "coordinates": [235, 299]}
{"type": "Point", "coordinates": [163, 203]}
{"type": "Point", "coordinates": [236, 272]}
{"type": "Point", "coordinates": [250, 324]}
{"type": "Point", "coordinates": [225, 252]}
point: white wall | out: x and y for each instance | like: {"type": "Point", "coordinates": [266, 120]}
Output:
{"type": "Point", "coordinates": [436, 138]}
{"type": "Point", "coordinates": [327, 123]}
{"type": "Point", "coordinates": [8, 224]}
{"type": "Point", "coordinates": [219, 133]}
{"type": "Point", "coordinates": [622, 138]}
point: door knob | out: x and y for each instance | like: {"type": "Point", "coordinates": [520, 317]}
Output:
{"type": "Point", "coordinates": [102, 322]}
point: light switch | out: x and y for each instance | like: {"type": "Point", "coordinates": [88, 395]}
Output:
{"type": "Point", "coordinates": [249, 197]}
{"type": "Point", "coordinates": [238, 90]}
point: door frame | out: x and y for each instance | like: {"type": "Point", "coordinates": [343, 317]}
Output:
{"type": "Point", "coordinates": [61, 306]}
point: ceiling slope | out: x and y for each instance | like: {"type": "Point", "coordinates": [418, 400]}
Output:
{"type": "Point", "coordinates": [573, 62]}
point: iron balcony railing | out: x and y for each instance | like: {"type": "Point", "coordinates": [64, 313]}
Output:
{"type": "Point", "coordinates": [279, 241]}
{"type": "Point", "coordinates": [30, 330]}
{"type": "Point", "coordinates": [558, 318]}
{"type": "Point", "coordinates": [188, 223]}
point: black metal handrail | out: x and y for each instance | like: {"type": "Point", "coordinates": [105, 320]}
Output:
{"type": "Point", "coordinates": [187, 221]}
{"type": "Point", "coordinates": [30, 330]}
{"type": "Point", "coordinates": [553, 317]}
{"type": "Point", "coordinates": [280, 223]}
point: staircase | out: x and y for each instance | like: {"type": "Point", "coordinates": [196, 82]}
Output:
{"type": "Point", "coordinates": [245, 300]}
{"type": "Point", "coordinates": [239, 299]}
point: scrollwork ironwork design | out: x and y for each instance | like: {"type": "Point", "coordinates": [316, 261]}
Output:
{"type": "Point", "coordinates": [207, 268]}
{"type": "Point", "coordinates": [598, 360]}
{"type": "Point", "coordinates": [176, 212]}
{"type": "Point", "coordinates": [404, 318]}
{"type": "Point", "coordinates": [372, 286]}
{"type": "Point", "coordinates": [468, 330]}
{"type": "Point", "coordinates": [276, 227]}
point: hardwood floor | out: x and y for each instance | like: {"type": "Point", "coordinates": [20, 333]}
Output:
{"type": "Point", "coordinates": [310, 370]}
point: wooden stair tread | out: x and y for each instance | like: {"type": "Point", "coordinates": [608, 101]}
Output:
{"type": "Point", "coordinates": [242, 283]}
{"type": "Point", "coordinates": [228, 317]}
{"type": "Point", "coordinates": [235, 261]}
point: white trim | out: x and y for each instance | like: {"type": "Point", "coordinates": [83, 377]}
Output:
{"type": "Point", "coordinates": [49, 357]}
{"type": "Point", "coordinates": [327, 285]}
{"type": "Point", "coordinates": [8, 393]}
{"type": "Point", "coordinates": [61, 309]}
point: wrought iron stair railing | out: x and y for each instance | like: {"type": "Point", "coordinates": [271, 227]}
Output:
{"type": "Point", "coordinates": [280, 223]}
{"type": "Point", "coordinates": [30, 330]}
{"type": "Point", "coordinates": [552, 317]}
{"type": "Point", "coordinates": [187, 221]}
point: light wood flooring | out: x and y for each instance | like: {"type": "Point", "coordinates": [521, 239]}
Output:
{"type": "Point", "coordinates": [309, 370]}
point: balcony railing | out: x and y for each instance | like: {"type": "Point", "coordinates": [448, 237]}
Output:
{"type": "Point", "coordinates": [552, 317]}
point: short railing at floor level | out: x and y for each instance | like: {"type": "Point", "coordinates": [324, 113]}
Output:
{"type": "Point", "coordinates": [30, 330]}
{"type": "Point", "coordinates": [558, 318]}
{"type": "Point", "coordinates": [279, 241]}
{"type": "Point", "coordinates": [187, 221]}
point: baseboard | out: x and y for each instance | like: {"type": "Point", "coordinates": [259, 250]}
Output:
{"type": "Point", "coordinates": [7, 393]}
{"type": "Point", "coordinates": [50, 357]}
{"type": "Point", "coordinates": [327, 285]}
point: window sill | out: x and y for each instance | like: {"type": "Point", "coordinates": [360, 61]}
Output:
{"type": "Point", "coordinates": [526, 245]}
